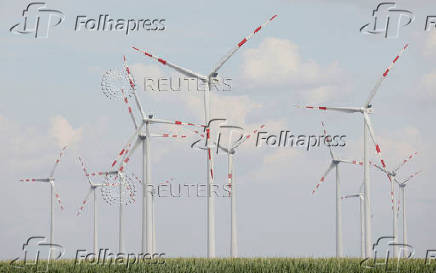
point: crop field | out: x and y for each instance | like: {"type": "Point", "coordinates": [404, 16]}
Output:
{"type": "Point", "coordinates": [252, 265]}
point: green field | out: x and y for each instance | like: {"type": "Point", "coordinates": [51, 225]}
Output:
{"type": "Point", "coordinates": [252, 265]}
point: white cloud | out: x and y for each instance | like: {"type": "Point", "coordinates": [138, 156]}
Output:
{"type": "Point", "coordinates": [278, 61]}
{"type": "Point", "coordinates": [63, 132]}
{"type": "Point", "coordinates": [428, 82]}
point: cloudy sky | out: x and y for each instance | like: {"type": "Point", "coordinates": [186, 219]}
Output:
{"type": "Point", "coordinates": [313, 53]}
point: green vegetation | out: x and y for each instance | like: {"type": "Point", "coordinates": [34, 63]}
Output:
{"type": "Point", "coordinates": [251, 265]}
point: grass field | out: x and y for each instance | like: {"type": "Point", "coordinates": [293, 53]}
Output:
{"type": "Point", "coordinates": [252, 265]}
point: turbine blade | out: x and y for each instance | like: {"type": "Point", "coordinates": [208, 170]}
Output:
{"type": "Point", "coordinates": [354, 162]}
{"type": "Point", "coordinates": [35, 180]}
{"type": "Point", "coordinates": [405, 161]}
{"type": "Point", "coordinates": [325, 135]}
{"type": "Point", "coordinates": [410, 177]}
{"type": "Point", "coordinates": [84, 202]}
{"type": "Point", "coordinates": [332, 165]}
{"type": "Point", "coordinates": [247, 136]}
{"type": "Point", "coordinates": [350, 196]}
{"type": "Point", "coordinates": [85, 171]}
{"type": "Point", "coordinates": [129, 154]}
{"type": "Point", "coordinates": [378, 167]}
{"type": "Point", "coordinates": [239, 45]}
{"type": "Point", "coordinates": [180, 69]}
{"type": "Point", "coordinates": [175, 122]}
{"type": "Point", "coordinates": [133, 87]}
{"type": "Point", "coordinates": [129, 108]}
{"type": "Point", "coordinates": [379, 153]}
{"type": "Point", "coordinates": [326, 108]}
{"type": "Point", "coordinates": [58, 197]}
{"type": "Point", "coordinates": [383, 76]}
{"type": "Point", "coordinates": [57, 161]}
{"type": "Point", "coordinates": [169, 135]}
{"type": "Point", "coordinates": [126, 147]}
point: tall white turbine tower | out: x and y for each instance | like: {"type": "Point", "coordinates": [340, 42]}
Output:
{"type": "Point", "coordinates": [403, 185]}
{"type": "Point", "coordinates": [361, 196]}
{"type": "Point", "coordinates": [208, 80]}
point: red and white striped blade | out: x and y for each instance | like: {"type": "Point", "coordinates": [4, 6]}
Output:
{"type": "Point", "coordinates": [411, 176]}
{"type": "Point", "coordinates": [327, 108]}
{"type": "Point", "coordinates": [354, 162]}
{"type": "Point", "coordinates": [58, 160]}
{"type": "Point", "coordinates": [84, 202]}
{"type": "Point", "coordinates": [58, 197]}
{"type": "Point", "coordinates": [379, 153]}
{"type": "Point", "coordinates": [82, 163]}
{"type": "Point", "coordinates": [383, 76]}
{"type": "Point", "coordinates": [405, 161]}
{"type": "Point", "coordinates": [125, 149]}
{"type": "Point", "coordinates": [129, 108]}
{"type": "Point", "coordinates": [170, 135]}
{"type": "Point", "coordinates": [178, 68]}
{"type": "Point", "coordinates": [325, 134]}
{"type": "Point", "coordinates": [209, 155]}
{"type": "Point", "coordinates": [378, 167]}
{"type": "Point", "coordinates": [176, 122]}
{"type": "Point", "coordinates": [247, 136]}
{"type": "Point", "coordinates": [133, 87]}
{"type": "Point", "coordinates": [239, 45]}
{"type": "Point", "coordinates": [35, 180]}
{"type": "Point", "coordinates": [128, 154]}
{"type": "Point", "coordinates": [332, 165]}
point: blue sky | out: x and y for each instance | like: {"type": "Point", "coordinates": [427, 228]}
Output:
{"type": "Point", "coordinates": [313, 53]}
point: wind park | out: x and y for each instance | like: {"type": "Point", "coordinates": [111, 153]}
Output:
{"type": "Point", "coordinates": [119, 186]}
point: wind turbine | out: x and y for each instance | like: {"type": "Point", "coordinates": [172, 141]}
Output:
{"type": "Point", "coordinates": [335, 161]}
{"type": "Point", "coordinates": [209, 80]}
{"type": "Point", "coordinates": [403, 185]}
{"type": "Point", "coordinates": [393, 175]}
{"type": "Point", "coordinates": [230, 150]}
{"type": "Point", "coordinates": [119, 189]}
{"type": "Point", "coordinates": [361, 197]}
{"type": "Point", "coordinates": [53, 194]}
{"type": "Point", "coordinates": [365, 110]}
{"type": "Point", "coordinates": [92, 191]}
{"type": "Point", "coordinates": [141, 137]}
